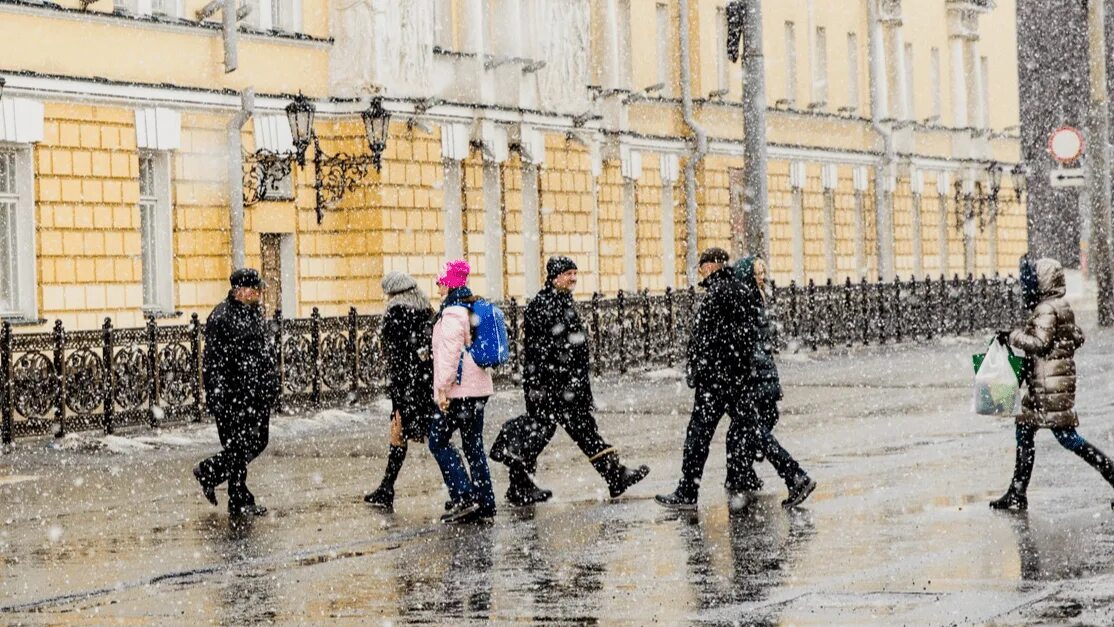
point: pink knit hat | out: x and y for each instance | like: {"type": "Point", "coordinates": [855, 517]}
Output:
{"type": "Point", "coordinates": [455, 274]}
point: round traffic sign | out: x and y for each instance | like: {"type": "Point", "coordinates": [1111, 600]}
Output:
{"type": "Point", "coordinates": [1065, 144]}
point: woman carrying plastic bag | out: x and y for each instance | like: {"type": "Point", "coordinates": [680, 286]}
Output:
{"type": "Point", "coordinates": [1049, 338]}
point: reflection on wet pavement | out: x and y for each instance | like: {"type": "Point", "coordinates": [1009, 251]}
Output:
{"type": "Point", "coordinates": [898, 531]}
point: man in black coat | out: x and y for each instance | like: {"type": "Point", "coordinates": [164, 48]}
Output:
{"type": "Point", "coordinates": [720, 350]}
{"type": "Point", "coordinates": [556, 380]}
{"type": "Point", "coordinates": [240, 370]}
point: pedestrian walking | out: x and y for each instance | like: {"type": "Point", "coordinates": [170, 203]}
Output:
{"type": "Point", "coordinates": [1049, 338]}
{"type": "Point", "coordinates": [720, 353]}
{"type": "Point", "coordinates": [460, 389]}
{"type": "Point", "coordinates": [761, 389]}
{"type": "Point", "coordinates": [240, 371]}
{"type": "Point", "coordinates": [406, 339]}
{"type": "Point", "coordinates": [558, 391]}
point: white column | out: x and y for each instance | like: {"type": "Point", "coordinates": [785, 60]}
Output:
{"type": "Point", "coordinates": [493, 230]}
{"type": "Point", "coordinates": [630, 235]}
{"type": "Point", "coordinates": [597, 171]}
{"type": "Point", "coordinates": [612, 65]}
{"type": "Point", "coordinates": [971, 65]}
{"type": "Point", "coordinates": [830, 179]}
{"type": "Point", "coordinates": [898, 90]}
{"type": "Point", "coordinates": [959, 83]}
{"type": "Point", "coordinates": [942, 187]}
{"type": "Point", "coordinates": [670, 171]}
{"type": "Point", "coordinates": [861, 181]}
{"type": "Point", "coordinates": [916, 181]}
{"type": "Point", "coordinates": [509, 37]}
{"type": "Point", "coordinates": [454, 209]}
{"type": "Point", "coordinates": [796, 218]}
{"type": "Point", "coordinates": [531, 230]}
{"type": "Point", "coordinates": [472, 26]}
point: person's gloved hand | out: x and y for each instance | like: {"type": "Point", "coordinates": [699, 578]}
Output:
{"type": "Point", "coordinates": [1003, 337]}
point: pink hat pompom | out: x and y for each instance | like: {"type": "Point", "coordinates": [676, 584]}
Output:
{"type": "Point", "coordinates": [455, 274]}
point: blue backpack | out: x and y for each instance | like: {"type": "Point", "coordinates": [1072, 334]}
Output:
{"type": "Point", "coordinates": [489, 347]}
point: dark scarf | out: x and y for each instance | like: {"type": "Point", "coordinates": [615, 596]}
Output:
{"type": "Point", "coordinates": [458, 296]}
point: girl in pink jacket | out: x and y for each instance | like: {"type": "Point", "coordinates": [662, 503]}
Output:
{"type": "Point", "coordinates": [461, 389]}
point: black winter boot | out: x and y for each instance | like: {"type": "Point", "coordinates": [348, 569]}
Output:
{"type": "Point", "coordinates": [384, 496]}
{"type": "Point", "coordinates": [618, 476]}
{"type": "Point", "coordinates": [1012, 499]}
{"type": "Point", "coordinates": [522, 490]}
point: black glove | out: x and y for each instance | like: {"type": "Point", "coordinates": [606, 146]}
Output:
{"type": "Point", "coordinates": [1003, 337]}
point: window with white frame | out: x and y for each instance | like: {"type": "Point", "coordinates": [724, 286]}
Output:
{"type": "Point", "coordinates": [790, 64]}
{"type": "Point", "coordinates": [443, 24]}
{"type": "Point", "coordinates": [274, 15]}
{"type": "Point", "coordinates": [984, 69]}
{"type": "Point", "coordinates": [820, 68]}
{"type": "Point", "coordinates": [156, 231]}
{"type": "Point", "coordinates": [665, 50]}
{"type": "Point", "coordinates": [853, 102]}
{"type": "Point", "coordinates": [937, 95]}
{"type": "Point", "coordinates": [284, 15]}
{"type": "Point", "coordinates": [160, 8]}
{"type": "Point", "coordinates": [9, 212]}
{"type": "Point", "coordinates": [909, 86]}
{"type": "Point", "coordinates": [17, 233]}
{"type": "Point", "coordinates": [723, 64]}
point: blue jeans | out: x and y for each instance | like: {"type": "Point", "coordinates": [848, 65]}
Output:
{"type": "Point", "coordinates": [467, 416]}
{"type": "Point", "coordinates": [1068, 438]}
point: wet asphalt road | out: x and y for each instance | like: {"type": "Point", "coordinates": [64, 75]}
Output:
{"type": "Point", "coordinates": [897, 533]}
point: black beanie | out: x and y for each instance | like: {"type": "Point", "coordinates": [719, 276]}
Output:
{"type": "Point", "coordinates": [557, 266]}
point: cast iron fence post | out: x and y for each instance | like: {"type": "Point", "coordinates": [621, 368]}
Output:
{"type": "Point", "coordinates": [516, 354]}
{"type": "Point", "coordinates": [672, 327]}
{"type": "Point", "coordinates": [898, 311]}
{"type": "Point", "coordinates": [864, 311]}
{"type": "Point", "coordinates": [109, 376]}
{"type": "Point", "coordinates": [152, 371]}
{"type": "Point", "coordinates": [647, 326]}
{"type": "Point", "coordinates": [59, 337]}
{"type": "Point", "coordinates": [195, 361]}
{"type": "Point", "coordinates": [621, 316]}
{"type": "Point", "coordinates": [280, 360]}
{"type": "Point", "coordinates": [315, 355]}
{"type": "Point", "coordinates": [829, 309]}
{"type": "Point", "coordinates": [971, 304]}
{"type": "Point", "coordinates": [6, 382]}
{"type": "Point", "coordinates": [353, 355]}
{"type": "Point", "coordinates": [811, 305]}
{"type": "Point", "coordinates": [880, 295]}
{"type": "Point", "coordinates": [794, 313]}
{"type": "Point", "coordinates": [849, 318]}
{"type": "Point", "coordinates": [596, 335]}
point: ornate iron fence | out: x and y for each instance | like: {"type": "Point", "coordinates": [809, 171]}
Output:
{"type": "Point", "coordinates": [65, 381]}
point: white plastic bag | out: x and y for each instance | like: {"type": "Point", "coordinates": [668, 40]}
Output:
{"type": "Point", "coordinates": [997, 392]}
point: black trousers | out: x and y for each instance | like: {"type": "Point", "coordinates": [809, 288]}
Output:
{"type": "Point", "coordinates": [244, 433]}
{"type": "Point", "coordinates": [764, 410]}
{"type": "Point", "coordinates": [577, 421]}
{"type": "Point", "coordinates": [745, 431]}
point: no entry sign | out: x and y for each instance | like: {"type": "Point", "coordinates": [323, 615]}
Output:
{"type": "Point", "coordinates": [1065, 144]}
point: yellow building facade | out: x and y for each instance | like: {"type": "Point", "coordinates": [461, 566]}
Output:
{"type": "Point", "coordinates": [519, 129]}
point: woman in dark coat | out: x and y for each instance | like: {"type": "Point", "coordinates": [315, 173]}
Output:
{"type": "Point", "coordinates": [1049, 338]}
{"type": "Point", "coordinates": [405, 339]}
{"type": "Point", "coordinates": [762, 385]}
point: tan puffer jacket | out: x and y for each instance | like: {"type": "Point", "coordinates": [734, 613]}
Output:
{"type": "Point", "coordinates": [1050, 337]}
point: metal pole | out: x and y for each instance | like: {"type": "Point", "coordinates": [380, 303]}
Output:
{"type": "Point", "coordinates": [755, 191]}
{"type": "Point", "coordinates": [236, 174]}
{"type": "Point", "coordinates": [1098, 159]}
{"type": "Point", "coordinates": [230, 32]}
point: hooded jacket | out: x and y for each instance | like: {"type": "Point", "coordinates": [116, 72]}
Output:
{"type": "Point", "coordinates": [762, 380]}
{"type": "Point", "coordinates": [721, 347]}
{"type": "Point", "coordinates": [1050, 337]}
